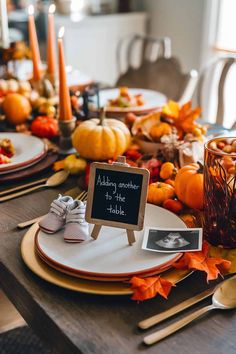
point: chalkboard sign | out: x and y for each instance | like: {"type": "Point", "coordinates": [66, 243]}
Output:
{"type": "Point", "coordinates": [117, 195]}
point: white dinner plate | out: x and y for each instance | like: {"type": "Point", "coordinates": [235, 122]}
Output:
{"type": "Point", "coordinates": [28, 149]}
{"type": "Point", "coordinates": [110, 254]}
{"type": "Point", "coordinates": [153, 100]}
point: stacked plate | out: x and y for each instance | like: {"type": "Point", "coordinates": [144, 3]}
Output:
{"type": "Point", "coordinates": [31, 155]}
{"type": "Point", "coordinates": [107, 260]}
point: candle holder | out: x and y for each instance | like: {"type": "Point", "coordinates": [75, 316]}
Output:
{"type": "Point", "coordinates": [66, 128]}
{"type": "Point", "coordinates": [87, 95]}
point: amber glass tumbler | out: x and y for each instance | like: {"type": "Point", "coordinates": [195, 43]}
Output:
{"type": "Point", "coordinates": [220, 192]}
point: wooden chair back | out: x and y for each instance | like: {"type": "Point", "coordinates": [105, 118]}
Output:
{"type": "Point", "coordinates": [215, 74]}
{"type": "Point", "coordinates": [133, 50]}
{"type": "Point", "coordinates": [164, 75]}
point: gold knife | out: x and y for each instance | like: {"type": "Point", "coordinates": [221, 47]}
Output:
{"type": "Point", "coordinates": [74, 192]}
{"type": "Point", "coordinates": [151, 321]}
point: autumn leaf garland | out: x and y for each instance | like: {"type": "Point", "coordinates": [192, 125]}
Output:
{"type": "Point", "coordinates": [200, 260]}
{"type": "Point", "coordinates": [147, 288]}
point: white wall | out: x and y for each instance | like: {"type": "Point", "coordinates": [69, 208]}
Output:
{"type": "Point", "coordinates": [91, 44]}
{"type": "Point", "coordinates": [182, 21]}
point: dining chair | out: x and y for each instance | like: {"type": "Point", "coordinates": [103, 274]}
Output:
{"type": "Point", "coordinates": [133, 50]}
{"type": "Point", "coordinates": [212, 84]}
{"type": "Point", "coordinates": [149, 65]}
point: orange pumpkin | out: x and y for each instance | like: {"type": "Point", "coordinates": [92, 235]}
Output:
{"type": "Point", "coordinates": [189, 185]}
{"type": "Point", "coordinates": [101, 139]}
{"type": "Point", "coordinates": [17, 108]}
{"type": "Point", "coordinates": [167, 170]}
{"type": "Point", "coordinates": [157, 131]}
{"type": "Point", "coordinates": [158, 192]}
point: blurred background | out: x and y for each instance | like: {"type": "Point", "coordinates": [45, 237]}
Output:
{"type": "Point", "coordinates": [199, 30]}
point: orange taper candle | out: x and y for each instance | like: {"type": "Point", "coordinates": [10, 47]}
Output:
{"type": "Point", "coordinates": [65, 112]}
{"type": "Point", "coordinates": [34, 46]}
{"type": "Point", "coordinates": [51, 50]}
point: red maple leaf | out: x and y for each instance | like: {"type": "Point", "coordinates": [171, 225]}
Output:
{"type": "Point", "coordinates": [147, 288]}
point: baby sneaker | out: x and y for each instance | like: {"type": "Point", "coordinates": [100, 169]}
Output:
{"type": "Point", "coordinates": [56, 217]}
{"type": "Point", "coordinates": [76, 228]}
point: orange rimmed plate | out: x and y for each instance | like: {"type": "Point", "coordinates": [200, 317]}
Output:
{"type": "Point", "coordinates": [93, 277]}
{"type": "Point", "coordinates": [110, 256]}
{"type": "Point", "coordinates": [28, 151]}
{"type": "Point", "coordinates": [38, 267]}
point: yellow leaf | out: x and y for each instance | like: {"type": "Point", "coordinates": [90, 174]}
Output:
{"type": "Point", "coordinates": [171, 109]}
{"type": "Point", "coordinates": [228, 254]}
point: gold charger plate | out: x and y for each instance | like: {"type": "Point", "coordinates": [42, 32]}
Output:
{"type": "Point", "coordinates": [76, 284]}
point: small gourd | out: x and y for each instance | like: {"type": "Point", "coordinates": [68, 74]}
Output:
{"type": "Point", "coordinates": [158, 192]}
{"type": "Point", "coordinates": [167, 170]}
{"type": "Point", "coordinates": [157, 131]}
{"type": "Point", "coordinates": [45, 127]}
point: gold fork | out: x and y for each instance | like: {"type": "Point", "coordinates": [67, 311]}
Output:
{"type": "Point", "coordinates": [82, 196]}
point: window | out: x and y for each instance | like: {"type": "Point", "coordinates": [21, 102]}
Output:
{"type": "Point", "coordinates": [226, 36]}
{"type": "Point", "coordinates": [220, 40]}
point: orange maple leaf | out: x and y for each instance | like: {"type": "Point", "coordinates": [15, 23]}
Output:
{"type": "Point", "coordinates": [147, 288]}
{"type": "Point", "coordinates": [59, 165]}
{"type": "Point", "coordinates": [183, 117]}
{"type": "Point", "coordinates": [201, 261]}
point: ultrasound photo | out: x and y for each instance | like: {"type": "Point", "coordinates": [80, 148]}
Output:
{"type": "Point", "coordinates": [172, 240]}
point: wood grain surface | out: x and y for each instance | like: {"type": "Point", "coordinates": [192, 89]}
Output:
{"type": "Point", "coordinates": [71, 322]}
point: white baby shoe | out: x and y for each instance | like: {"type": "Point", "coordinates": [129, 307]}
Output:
{"type": "Point", "coordinates": [76, 228]}
{"type": "Point", "coordinates": [56, 217]}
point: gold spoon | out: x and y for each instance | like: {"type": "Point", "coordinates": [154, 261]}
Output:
{"type": "Point", "coordinates": [55, 180]}
{"type": "Point", "coordinates": [224, 298]}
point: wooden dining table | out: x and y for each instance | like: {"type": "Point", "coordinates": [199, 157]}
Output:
{"type": "Point", "coordinates": [71, 322]}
